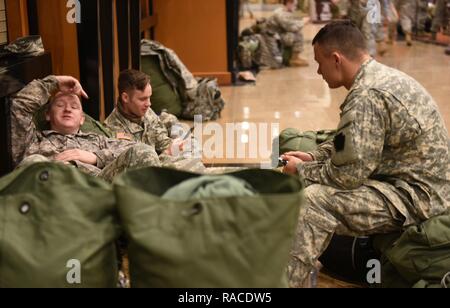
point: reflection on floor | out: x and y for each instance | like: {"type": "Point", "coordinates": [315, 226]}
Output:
{"type": "Point", "coordinates": [300, 98]}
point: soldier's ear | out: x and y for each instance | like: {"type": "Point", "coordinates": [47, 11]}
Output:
{"type": "Point", "coordinates": [83, 118]}
{"type": "Point", "coordinates": [337, 58]}
{"type": "Point", "coordinates": [47, 112]}
{"type": "Point", "coordinates": [125, 97]}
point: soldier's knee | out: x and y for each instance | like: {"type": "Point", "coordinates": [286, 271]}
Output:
{"type": "Point", "coordinates": [142, 155]}
{"type": "Point", "coordinates": [319, 196]}
{"type": "Point", "coordinates": [312, 192]}
{"type": "Point", "coordinates": [32, 159]}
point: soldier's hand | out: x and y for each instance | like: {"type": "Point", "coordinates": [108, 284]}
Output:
{"type": "Point", "coordinates": [291, 166]}
{"type": "Point", "coordinates": [176, 147]}
{"type": "Point", "coordinates": [77, 155]}
{"type": "Point", "coordinates": [300, 155]}
{"type": "Point", "coordinates": [70, 85]}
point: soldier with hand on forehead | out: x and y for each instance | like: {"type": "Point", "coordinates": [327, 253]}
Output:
{"type": "Point", "coordinates": [64, 142]}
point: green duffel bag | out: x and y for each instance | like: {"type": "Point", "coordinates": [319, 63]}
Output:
{"type": "Point", "coordinates": [292, 139]}
{"type": "Point", "coordinates": [164, 96]}
{"type": "Point", "coordinates": [210, 242]}
{"type": "Point", "coordinates": [420, 257]}
{"type": "Point", "coordinates": [58, 228]}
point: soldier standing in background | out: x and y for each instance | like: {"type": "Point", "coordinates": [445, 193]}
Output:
{"type": "Point", "coordinates": [366, 15]}
{"type": "Point", "coordinates": [386, 167]}
{"type": "Point", "coordinates": [289, 27]}
{"type": "Point", "coordinates": [441, 20]}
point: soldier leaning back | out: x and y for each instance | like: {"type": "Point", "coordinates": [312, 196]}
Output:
{"type": "Point", "coordinates": [65, 142]}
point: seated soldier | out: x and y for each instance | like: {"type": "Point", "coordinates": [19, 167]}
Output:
{"type": "Point", "coordinates": [91, 153]}
{"type": "Point", "coordinates": [133, 119]}
{"type": "Point", "coordinates": [387, 166]}
{"type": "Point", "coordinates": [289, 27]}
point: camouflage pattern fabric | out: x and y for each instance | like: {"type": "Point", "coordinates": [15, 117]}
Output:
{"type": "Point", "coordinates": [27, 46]}
{"type": "Point", "coordinates": [150, 130]}
{"type": "Point", "coordinates": [388, 167]}
{"type": "Point", "coordinates": [169, 121]}
{"type": "Point", "coordinates": [207, 100]}
{"type": "Point", "coordinates": [27, 141]}
{"type": "Point", "coordinates": [412, 13]}
{"type": "Point", "coordinates": [289, 26]}
{"type": "Point", "coordinates": [359, 14]}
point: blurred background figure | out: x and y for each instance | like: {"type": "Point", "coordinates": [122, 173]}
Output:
{"type": "Point", "coordinates": [390, 17]}
{"type": "Point", "coordinates": [367, 16]}
{"type": "Point", "coordinates": [244, 6]}
{"type": "Point", "coordinates": [289, 26]}
{"type": "Point", "coordinates": [441, 20]}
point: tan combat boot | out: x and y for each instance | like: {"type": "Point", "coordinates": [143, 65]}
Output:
{"type": "Point", "coordinates": [298, 61]}
{"type": "Point", "coordinates": [408, 39]}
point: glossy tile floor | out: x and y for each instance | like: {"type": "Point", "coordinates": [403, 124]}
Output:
{"type": "Point", "coordinates": [300, 98]}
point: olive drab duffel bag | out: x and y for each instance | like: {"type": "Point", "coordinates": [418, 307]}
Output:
{"type": "Point", "coordinates": [217, 241]}
{"type": "Point", "coordinates": [58, 228]}
{"type": "Point", "coordinates": [419, 258]}
{"type": "Point", "coordinates": [291, 139]}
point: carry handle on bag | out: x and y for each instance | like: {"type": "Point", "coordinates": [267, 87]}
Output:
{"type": "Point", "coordinates": [235, 241]}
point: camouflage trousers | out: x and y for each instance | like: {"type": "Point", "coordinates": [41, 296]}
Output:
{"type": "Point", "coordinates": [327, 210]}
{"type": "Point", "coordinates": [138, 156]}
{"type": "Point", "coordinates": [293, 40]}
{"type": "Point", "coordinates": [412, 13]}
{"type": "Point", "coordinates": [372, 32]}
{"type": "Point", "coordinates": [269, 54]}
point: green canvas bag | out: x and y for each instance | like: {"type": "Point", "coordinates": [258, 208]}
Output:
{"type": "Point", "coordinates": [291, 139]}
{"type": "Point", "coordinates": [420, 257]}
{"type": "Point", "coordinates": [164, 96]}
{"type": "Point", "coordinates": [58, 228]}
{"type": "Point", "coordinates": [209, 243]}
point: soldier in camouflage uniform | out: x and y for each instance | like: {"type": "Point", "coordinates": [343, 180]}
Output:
{"type": "Point", "coordinates": [412, 13]}
{"type": "Point", "coordinates": [289, 27]}
{"type": "Point", "coordinates": [65, 143]}
{"type": "Point", "coordinates": [134, 120]}
{"type": "Point", "coordinates": [387, 166]}
{"type": "Point", "coordinates": [366, 15]}
{"type": "Point", "coordinates": [441, 19]}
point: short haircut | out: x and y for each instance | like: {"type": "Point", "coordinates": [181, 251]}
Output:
{"type": "Point", "coordinates": [285, 2]}
{"type": "Point", "coordinates": [342, 36]}
{"type": "Point", "coordinates": [132, 80]}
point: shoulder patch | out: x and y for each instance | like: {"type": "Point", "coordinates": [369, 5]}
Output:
{"type": "Point", "coordinates": [339, 142]}
{"type": "Point", "coordinates": [124, 136]}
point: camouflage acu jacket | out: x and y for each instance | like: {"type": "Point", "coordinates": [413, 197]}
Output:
{"type": "Point", "coordinates": [27, 140]}
{"type": "Point", "coordinates": [151, 131]}
{"type": "Point", "coordinates": [390, 131]}
{"type": "Point", "coordinates": [283, 21]}
{"type": "Point", "coordinates": [199, 96]}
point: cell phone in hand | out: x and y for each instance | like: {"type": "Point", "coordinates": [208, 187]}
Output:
{"type": "Point", "coordinates": [282, 161]}
{"type": "Point", "coordinates": [190, 131]}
